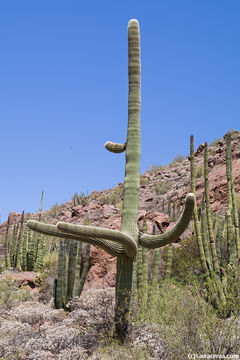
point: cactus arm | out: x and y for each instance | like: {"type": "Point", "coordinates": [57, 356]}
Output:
{"type": "Point", "coordinates": [111, 247]}
{"type": "Point", "coordinates": [83, 231]}
{"type": "Point", "coordinates": [155, 241]}
{"type": "Point", "coordinates": [115, 147]}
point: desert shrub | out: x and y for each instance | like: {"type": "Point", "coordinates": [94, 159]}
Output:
{"type": "Point", "coordinates": [115, 351]}
{"type": "Point", "coordinates": [161, 187]}
{"type": "Point", "coordinates": [155, 168]}
{"type": "Point", "coordinates": [232, 293]}
{"type": "Point", "coordinates": [188, 324]}
{"type": "Point", "coordinates": [214, 142]}
{"type": "Point", "coordinates": [186, 263]}
{"type": "Point", "coordinates": [143, 180]}
{"type": "Point", "coordinates": [48, 274]}
{"type": "Point", "coordinates": [56, 210]}
{"type": "Point", "coordinates": [10, 293]}
{"type": "Point", "coordinates": [80, 199]}
{"type": "Point", "coordinates": [177, 159]}
{"type": "Point", "coordinates": [113, 197]}
{"type": "Point", "coordinates": [199, 171]}
{"type": "Point", "coordinates": [234, 134]}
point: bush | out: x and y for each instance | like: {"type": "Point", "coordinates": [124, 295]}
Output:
{"type": "Point", "coordinates": [80, 199]}
{"type": "Point", "coordinates": [177, 159]}
{"type": "Point", "coordinates": [48, 274]}
{"type": "Point", "coordinates": [187, 324]}
{"type": "Point", "coordinates": [143, 180]}
{"type": "Point", "coordinates": [112, 198]}
{"type": "Point", "coordinates": [10, 293]}
{"type": "Point", "coordinates": [56, 210]}
{"type": "Point", "coordinates": [186, 264]}
{"type": "Point", "coordinates": [161, 187]}
{"type": "Point", "coordinates": [199, 171]}
{"type": "Point", "coordinates": [155, 168]}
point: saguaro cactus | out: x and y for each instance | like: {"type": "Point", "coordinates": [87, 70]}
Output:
{"type": "Point", "coordinates": [124, 243]}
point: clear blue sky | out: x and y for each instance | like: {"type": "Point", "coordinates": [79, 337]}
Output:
{"type": "Point", "coordinates": [63, 89]}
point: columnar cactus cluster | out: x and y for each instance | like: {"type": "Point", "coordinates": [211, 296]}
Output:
{"type": "Point", "coordinates": [210, 240]}
{"type": "Point", "coordinates": [124, 243]}
{"type": "Point", "coordinates": [71, 275]}
{"type": "Point", "coordinates": [24, 250]}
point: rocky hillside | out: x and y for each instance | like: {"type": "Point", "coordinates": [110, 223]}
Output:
{"type": "Point", "coordinates": [103, 208]}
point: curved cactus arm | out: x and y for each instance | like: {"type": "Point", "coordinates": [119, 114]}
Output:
{"type": "Point", "coordinates": [85, 232]}
{"type": "Point", "coordinates": [112, 248]}
{"type": "Point", "coordinates": [156, 241]}
{"type": "Point", "coordinates": [115, 147]}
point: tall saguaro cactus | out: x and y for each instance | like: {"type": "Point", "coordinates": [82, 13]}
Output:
{"type": "Point", "coordinates": [124, 243]}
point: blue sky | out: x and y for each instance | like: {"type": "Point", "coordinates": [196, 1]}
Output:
{"type": "Point", "coordinates": [64, 85]}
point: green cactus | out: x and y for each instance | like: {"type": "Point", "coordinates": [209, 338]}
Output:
{"type": "Point", "coordinates": [18, 251]}
{"type": "Point", "coordinates": [59, 284]}
{"type": "Point", "coordinates": [208, 212]}
{"type": "Point", "coordinates": [85, 270]}
{"type": "Point", "coordinates": [124, 243]}
{"type": "Point", "coordinates": [71, 268]}
{"type": "Point", "coordinates": [69, 283]}
{"type": "Point", "coordinates": [156, 259]}
{"type": "Point", "coordinates": [7, 261]}
{"type": "Point", "coordinates": [77, 268]}
{"type": "Point", "coordinates": [195, 212]}
{"type": "Point", "coordinates": [169, 262]}
{"type": "Point", "coordinates": [232, 204]}
{"type": "Point", "coordinates": [205, 237]}
{"type": "Point", "coordinates": [230, 238]}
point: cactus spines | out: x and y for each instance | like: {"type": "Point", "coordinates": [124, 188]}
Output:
{"type": "Point", "coordinates": [124, 243]}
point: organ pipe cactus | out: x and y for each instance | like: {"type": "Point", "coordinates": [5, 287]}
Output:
{"type": "Point", "coordinates": [232, 206]}
{"type": "Point", "coordinates": [69, 283]}
{"type": "Point", "coordinates": [195, 212]}
{"type": "Point", "coordinates": [208, 213]}
{"type": "Point", "coordinates": [124, 243]}
{"type": "Point", "coordinates": [7, 262]}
